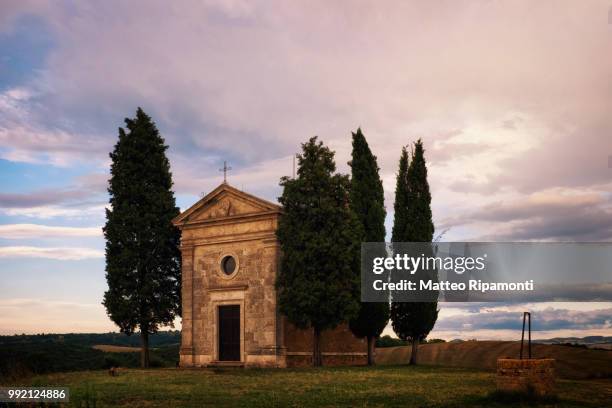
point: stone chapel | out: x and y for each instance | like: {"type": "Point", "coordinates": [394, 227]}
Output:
{"type": "Point", "coordinates": [230, 258]}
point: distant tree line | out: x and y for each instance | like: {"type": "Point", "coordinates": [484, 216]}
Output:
{"type": "Point", "coordinates": [25, 355]}
{"type": "Point", "coordinates": [388, 341]}
{"type": "Point", "coordinates": [159, 339]}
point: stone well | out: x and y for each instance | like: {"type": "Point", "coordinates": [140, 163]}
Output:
{"type": "Point", "coordinates": [527, 375]}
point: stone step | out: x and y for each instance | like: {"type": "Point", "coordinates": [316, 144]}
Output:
{"type": "Point", "coordinates": [223, 364]}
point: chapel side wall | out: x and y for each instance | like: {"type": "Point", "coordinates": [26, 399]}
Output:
{"type": "Point", "coordinates": [339, 346]}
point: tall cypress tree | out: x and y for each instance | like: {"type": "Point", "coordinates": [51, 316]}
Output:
{"type": "Point", "coordinates": [143, 269]}
{"type": "Point", "coordinates": [420, 227]}
{"type": "Point", "coordinates": [367, 199]}
{"type": "Point", "coordinates": [413, 320]}
{"type": "Point", "coordinates": [402, 197]}
{"type": "Point", "coordinates": [319, 235]}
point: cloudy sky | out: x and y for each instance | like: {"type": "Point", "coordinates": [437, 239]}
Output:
{"type": "Point", "coordinates": [512, 100]}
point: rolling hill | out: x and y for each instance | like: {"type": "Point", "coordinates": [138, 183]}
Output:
{"type": "Point", "coordinates": [572, 362]}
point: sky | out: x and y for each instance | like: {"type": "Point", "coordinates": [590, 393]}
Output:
{"type": "Point", "coordinates": [512, 100]}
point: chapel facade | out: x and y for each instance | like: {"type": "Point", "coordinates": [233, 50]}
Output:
{"type": "Point", "coordinates": [230, 260]}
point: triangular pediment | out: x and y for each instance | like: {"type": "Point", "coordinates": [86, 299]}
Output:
{"type": "Point", "coordinates": [223, 202]}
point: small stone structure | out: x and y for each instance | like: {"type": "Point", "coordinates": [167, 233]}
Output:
{"type": "Point", "coordinates": [230, 260]}
{"type": "Point", "coordinates": [535, 376]}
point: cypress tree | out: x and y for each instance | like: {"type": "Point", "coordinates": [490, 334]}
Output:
{"type": "Point", "coordinates": [413, 320]}
{"type": "Point", "coordinates": [367, 199]}
{"type": "Point", "coordinates": [319, 235]}
{"type": "Point", "coordinates": [143, 269]}
{"type": "Point", "coordinates": [402, 197]}
{"type": "Point", "coordinates": [420, 227]}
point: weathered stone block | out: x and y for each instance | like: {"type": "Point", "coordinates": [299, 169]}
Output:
{"type": "Point", "coordinates": [535, 376]}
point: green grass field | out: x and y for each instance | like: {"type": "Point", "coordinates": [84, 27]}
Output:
{"type": "Point", "coordinates": [383, 386]}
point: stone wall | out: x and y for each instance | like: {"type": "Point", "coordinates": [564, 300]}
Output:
{"type": "Point", "coordinates": [528, 375]}
{"type": "Point", "coordinates": [252, 288]}
{"type": "Point", "coordinates": [338, 346]}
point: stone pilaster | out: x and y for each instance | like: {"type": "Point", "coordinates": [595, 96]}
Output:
{"type": "Point", "coordinates": [186, 351]}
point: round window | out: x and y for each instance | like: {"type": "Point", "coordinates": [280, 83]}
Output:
{"type": "Point", "coordinates": [228, 265]}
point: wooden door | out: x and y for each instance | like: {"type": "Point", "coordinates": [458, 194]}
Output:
{"type": "Point", "coordinates": [229, 333]}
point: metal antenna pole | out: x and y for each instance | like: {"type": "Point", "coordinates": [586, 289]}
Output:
{"type": "Point", "coordinates": [526, 316]}
{"type": "Point", "coordinates": [529, 315]}
{"type": "Point", "coordinates": [523, 335]}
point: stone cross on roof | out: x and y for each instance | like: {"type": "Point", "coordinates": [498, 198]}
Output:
{"type": "Point", "coordinates": [225, 170]}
